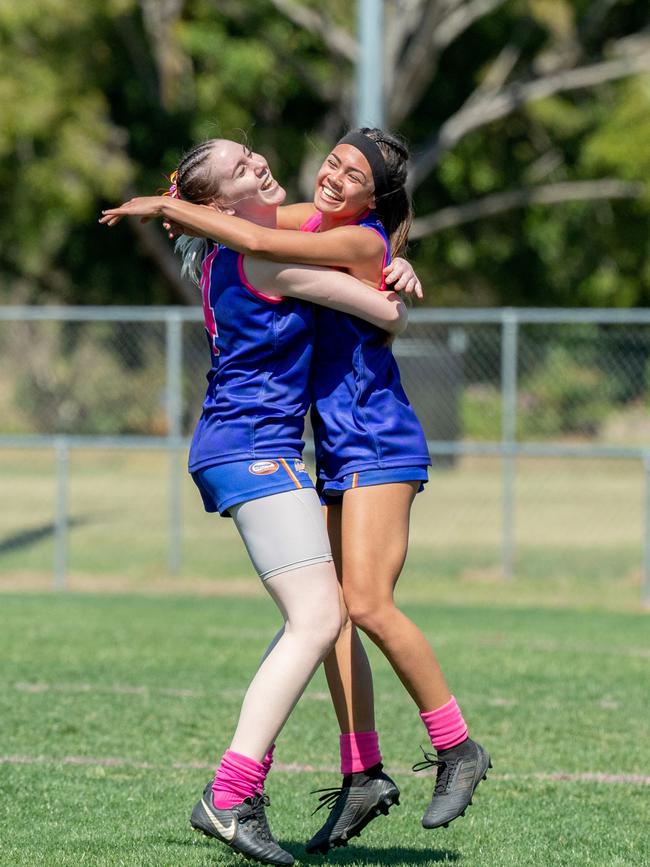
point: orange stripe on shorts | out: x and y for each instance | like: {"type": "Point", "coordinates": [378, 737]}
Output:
{"type": "Point", "coordinates": [292, 475]}
{"type": "Point", "coordinates": [355, 479]}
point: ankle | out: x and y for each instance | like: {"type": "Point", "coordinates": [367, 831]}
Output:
{"type": "Point", "coordinates": [458, 749]}
{"type": "Point", "coordinates": [359, 777]}
{"type": "Point", "coordinates": [359, 751]}
{"type": "Point", "coordinates": [445, 725]}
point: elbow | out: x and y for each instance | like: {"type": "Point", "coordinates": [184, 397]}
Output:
{"type": "Point", "coordinates": [257, 244]}
{"type": "Point", "coordinates": [252, 247]}
{"type": "Point", "coordinates": [399, 318]}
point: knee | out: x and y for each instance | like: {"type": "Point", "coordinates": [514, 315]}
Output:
{"type": "Point", "coordinates": [345, 621]}
{"type": "Point", "coordinates": [333, 628]}
{"type": "Point", "coordinates": [324, 630]}
{"type": "Point", "coordinates": [370, 618]}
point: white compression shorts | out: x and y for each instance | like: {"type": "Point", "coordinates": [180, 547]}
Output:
{"type": "Point", "coordinates": [283, 531]}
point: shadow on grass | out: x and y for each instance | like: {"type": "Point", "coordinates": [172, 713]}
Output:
{"type": "Point", "coordinates": [352, 855]}
{"type": "Point", "coordinates": [380, 855]}
{"type": "Point", "coordinates": [27, 538]}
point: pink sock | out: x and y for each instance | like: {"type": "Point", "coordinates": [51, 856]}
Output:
{"type": "Point", "coordinates": [237, 777]}
{"type": "Point", "coordinates": [445, 725]}
{"type": "Point", "coordinates": [267, 761]}
{"type": "Point", "coordinates": [359, 751]}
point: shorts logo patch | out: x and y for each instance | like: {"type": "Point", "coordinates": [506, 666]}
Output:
{"type": "Point", "coordinates": [299, 466]}
{"type": "Point", "coordinates": [264, 468]}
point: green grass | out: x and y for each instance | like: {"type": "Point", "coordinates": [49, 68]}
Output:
{"type": "Point", "coordinates": [114, 709]}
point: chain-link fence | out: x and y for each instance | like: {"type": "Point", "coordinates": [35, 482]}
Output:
{"type": "Point", "coordinates": [537, 423]}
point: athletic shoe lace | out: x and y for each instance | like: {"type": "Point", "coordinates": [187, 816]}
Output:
{"type": "Point", "coordinates": [254, 813]}
{"type": "Point", "coordinates": [444, 770]}
{"type": "Point", "coordinates": [329, 798]}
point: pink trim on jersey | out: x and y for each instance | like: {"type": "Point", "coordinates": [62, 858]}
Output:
{"type": "Point", "coordinates": [208, 312]}
{"type": "Point", "coordinates": [272, 299]}
{"type": "Point", "coordinates": [382, 285]}
{"type": "Point", "coordinates": [314, 222]}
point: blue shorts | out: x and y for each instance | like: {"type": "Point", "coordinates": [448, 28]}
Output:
{"type": "Point", "coordinates": [226, 485]}
{"type": "Point", "coordinates": [331, 492]}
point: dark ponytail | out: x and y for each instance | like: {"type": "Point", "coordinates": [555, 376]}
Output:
{"type": "Point", "coordinates": [394, 207]}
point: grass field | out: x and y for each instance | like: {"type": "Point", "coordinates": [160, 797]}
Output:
{"type": "Point", "coordinates": [115, 708]}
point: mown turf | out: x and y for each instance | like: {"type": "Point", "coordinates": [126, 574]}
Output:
{"type": "Point", "coordinates": [114, 709]}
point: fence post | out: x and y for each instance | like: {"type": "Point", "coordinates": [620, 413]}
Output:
{"type": "Point", "coordinates": [174, 348]}
{"type": "Point", "coordinates": [62, 455]}
{"type": "Point", "coordinates": [370, 83]}
{"type": "Point", "coordinates": [645, 584]}
{"type": "Point", "coordinates": [509, 349]}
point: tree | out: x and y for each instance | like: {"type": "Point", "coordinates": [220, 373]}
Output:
{"type": "Point", "coordinates": [551, 108]}
{"type": "Point", "coordinates": [528, 121]}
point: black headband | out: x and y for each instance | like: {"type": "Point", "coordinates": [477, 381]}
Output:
{"type": "Point", "coordinates": [375, 158]}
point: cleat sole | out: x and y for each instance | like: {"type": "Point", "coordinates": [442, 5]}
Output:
{"type": "Point", "coordinates": [381, 808]}
{"type": "Point", "coordinates": [250, 858]}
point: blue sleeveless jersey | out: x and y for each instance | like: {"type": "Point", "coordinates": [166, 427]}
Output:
{"type": "Point", "coordinates": [361, 416]}
{"type": "Point", "coordinates": [258, 385]}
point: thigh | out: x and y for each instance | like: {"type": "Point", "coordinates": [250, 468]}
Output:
{"type": "Point", "coordinates": [375, 528]}
{"type": "Point", "coordinates": [283, 531]}
{"type": "Point", "coordinates": [332, 514]}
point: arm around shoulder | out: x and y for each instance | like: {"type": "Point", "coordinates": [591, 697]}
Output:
{"type": "Point", "coordinates": [332, 289]}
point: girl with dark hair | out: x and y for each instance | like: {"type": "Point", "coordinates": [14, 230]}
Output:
{"type": "Point", "coordinates": [372, 459]}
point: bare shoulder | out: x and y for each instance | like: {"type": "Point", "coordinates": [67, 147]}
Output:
{"type": "Point", "coordinates": [263, 274]}
{"type": "Point", "coordinates": [366, 241]}
{"type": "Point", "coordinates": [293, 216]}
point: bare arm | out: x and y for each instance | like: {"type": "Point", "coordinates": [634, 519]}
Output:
{"type": "Point", "coordinates": [346, 247]}
{"type": "Point", "coordinates": [293, 216]}
{"type": "Point", "coordinates": [330, 289]}
{"type": "Point", "coordinates": [289, 217]}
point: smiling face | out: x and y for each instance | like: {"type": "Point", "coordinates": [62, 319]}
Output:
{"type": "Point", "coordinates": [344, 184]}
{"type": "Point", "coordinates": [246, 186]}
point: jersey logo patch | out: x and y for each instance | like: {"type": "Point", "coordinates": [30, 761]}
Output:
{"type": "Point", "coordinates": [299, 466]}
{"type": "Point", "coordinates": [263, 468]}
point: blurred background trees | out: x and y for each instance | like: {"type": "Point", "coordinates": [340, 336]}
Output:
{"type": "Point", "coordinates": [529, 122]}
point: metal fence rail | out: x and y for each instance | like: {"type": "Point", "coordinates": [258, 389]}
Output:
{"type": "Point", "coordinates": [506, 383]}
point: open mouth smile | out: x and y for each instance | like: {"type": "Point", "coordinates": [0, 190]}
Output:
{"type": "Point", "coordinates": [330, 194]}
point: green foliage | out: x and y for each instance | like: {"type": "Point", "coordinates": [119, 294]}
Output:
{"type": "Point", "coordinates": [59, 149]}
{"type": "Point", "coordinates": [481, 413]}
{"type": "Point", "coordinates": [564, 396]}
{"type": "Point", "coordinates": [76, 382]}
{"type": "Point", "coordinates": [100, 98]}
{"type": "Point", "coordinates": [620, 142]}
